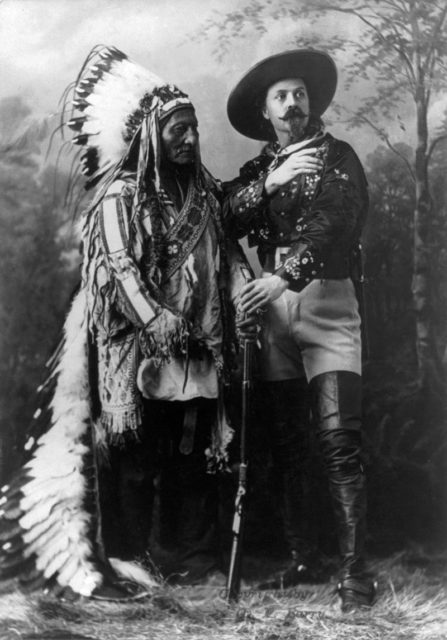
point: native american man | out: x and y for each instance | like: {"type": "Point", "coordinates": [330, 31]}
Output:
{"type": "Point", "coordinates": [147, 348]}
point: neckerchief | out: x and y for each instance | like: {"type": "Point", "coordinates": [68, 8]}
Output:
{"type": "Point", "coordinates": [280, 153]}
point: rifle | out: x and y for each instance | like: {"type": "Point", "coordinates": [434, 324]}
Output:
{"type": "Point", "coordinates": [234, 573]}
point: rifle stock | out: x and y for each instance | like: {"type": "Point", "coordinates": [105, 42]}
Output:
{"type": "Point", "coordinates": [234, 573]}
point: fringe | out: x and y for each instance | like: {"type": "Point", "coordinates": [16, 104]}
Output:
{"type": "Point", "coordinates": [106, 438]}
{"type": "Point", "coordinates": [222, 435]}
{"type": "Point", "coordinates": [118, 425]}
{"type": "Point", "coordinates": [161, 343]}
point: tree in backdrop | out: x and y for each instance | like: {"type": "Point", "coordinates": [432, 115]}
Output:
{"type": "Point", "coordinates": [406, 441]}
{"type": "Point", "coordinates": [396, 62]}
{"type": "Point", "coordinates": [37, 272]}
{"type": "Point", "coordinates": [388, 256]}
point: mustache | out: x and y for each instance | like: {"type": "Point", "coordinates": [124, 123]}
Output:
{"type": "Point", "coordinates": [185, 149]}
{"type": "Point", "coordinates": [294, 112]}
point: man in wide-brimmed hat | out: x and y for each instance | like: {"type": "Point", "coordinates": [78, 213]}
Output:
{"type": "Point", "coordinates": [303, 202]}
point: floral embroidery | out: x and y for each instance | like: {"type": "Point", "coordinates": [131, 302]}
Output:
{"type": "Point", "coordinates": [322, 151]}
{"type": "Point", "coordinates": [264, 232]}
{"type": "Point", "coordinates": [172, 248]}
{"type": "Point", "coordinates": [250, 197]}
{"type": "Point", "coordinates": [340, 175]}
{"type": "Point", "coordinates": [310, 185]}
{"type": "Point", "coordinates": [293, 265]}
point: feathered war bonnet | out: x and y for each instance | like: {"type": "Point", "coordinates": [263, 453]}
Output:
{"type": "Point", "coordinates": [118, 107]}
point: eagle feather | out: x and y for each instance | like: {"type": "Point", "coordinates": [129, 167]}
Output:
{"type": "Point", "coordinates": [46, 528]}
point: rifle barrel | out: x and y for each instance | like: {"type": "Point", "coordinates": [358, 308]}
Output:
{"type": "Point", "coordinates": [234, 574]}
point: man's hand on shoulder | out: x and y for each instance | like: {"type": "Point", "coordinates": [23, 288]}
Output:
{"type": "Point", "coordinates": [301, 162]}
{"type": "Point", "coordinates": [258, 293]}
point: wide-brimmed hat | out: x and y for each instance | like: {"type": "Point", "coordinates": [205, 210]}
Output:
{"type": "Point", "coordinates": [315, 68]}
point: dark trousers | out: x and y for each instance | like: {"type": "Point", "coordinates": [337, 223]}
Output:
{"type": "Point", "coordinates": [286, 418]}
{"type": "Point", "coordinates": [188, 494]}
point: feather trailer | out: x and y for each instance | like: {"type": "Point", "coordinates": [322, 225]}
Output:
{"type": "Point", "coordinates": [11, 566]}
{"type": "Point", "coordinates": [48, 522]}
{"type": "Point", "coordinates": [40, 532]}
{"type": "Point", "coordinates": [10, 531]}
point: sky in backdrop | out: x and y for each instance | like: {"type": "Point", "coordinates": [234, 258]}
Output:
{"type": "Point", "coordinates": [44, 42]}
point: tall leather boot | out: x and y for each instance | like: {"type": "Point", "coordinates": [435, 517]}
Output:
{"type": "Point", "coordinates": [336, 408]}
{"type": "Point", "coordinates": [288, 422]}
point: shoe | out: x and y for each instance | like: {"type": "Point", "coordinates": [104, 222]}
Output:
{"type": "Point", "coordinates": [211, 580]}
{"type": "Point", "coordinates": [356, 594]}
{"type": "Point", "coordinates": [120, 591]}
{"type": "Point", "coordinates": [298, 572]}
{"type": "Point", "coordinates": [214, 580]}
{"type": "Point", "coordinates": [212, 585]}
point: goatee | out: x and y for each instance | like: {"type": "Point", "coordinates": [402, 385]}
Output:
{"type": "Point", "coordinates": [297, 129]}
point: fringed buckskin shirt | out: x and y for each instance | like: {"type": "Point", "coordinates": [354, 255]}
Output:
{"type": "Point", "coordinates": [317, 218]}
{"type": "Point", "coordinates": [146, 260]}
